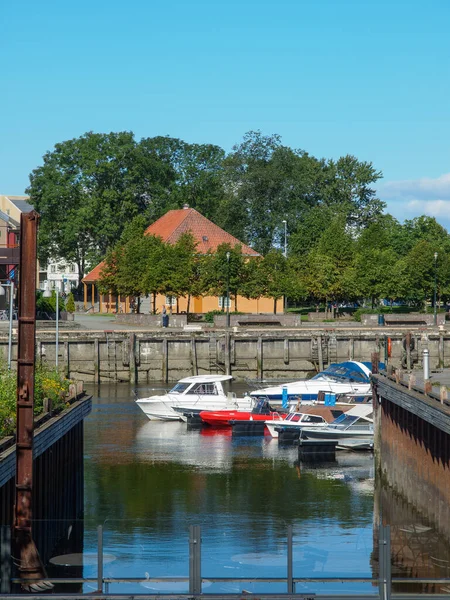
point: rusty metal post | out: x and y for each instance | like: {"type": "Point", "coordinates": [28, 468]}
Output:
{"type": "Point", "coordinates": [27, 557]}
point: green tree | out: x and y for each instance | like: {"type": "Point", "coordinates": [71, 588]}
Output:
{"type": "Point", "coordinates": [218, 271]}
{"type": "Point", "coordinates": [88, 188]}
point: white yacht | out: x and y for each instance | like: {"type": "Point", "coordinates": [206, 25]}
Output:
{"type": "Point", "coordinates": [193, 394]}
{"type": "Point", "coordinates": [350, 378]}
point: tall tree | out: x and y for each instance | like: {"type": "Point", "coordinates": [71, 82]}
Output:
{"type": "Point", "coordinates": [88, 188]}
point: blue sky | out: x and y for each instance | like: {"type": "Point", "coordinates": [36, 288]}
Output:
{"type": "Point", "coordinates": [365, 77]}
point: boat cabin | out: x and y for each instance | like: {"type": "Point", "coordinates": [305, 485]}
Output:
{"type": "Point", "coordinates": [204, 385]}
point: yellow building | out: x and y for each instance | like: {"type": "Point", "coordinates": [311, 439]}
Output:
{"type": "Point", "coordinates": [208, 236]}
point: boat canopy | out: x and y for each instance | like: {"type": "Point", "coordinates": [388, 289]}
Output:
{"type": "Point", "coordinates": [347, 371]}
{"type": "Point", "coordinates": [206, 378]}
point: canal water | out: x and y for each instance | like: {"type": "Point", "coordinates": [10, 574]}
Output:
{"type": "Point", "coordinates": [146, 482]}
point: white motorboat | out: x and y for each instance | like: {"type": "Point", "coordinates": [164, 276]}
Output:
{"type": "Point", "coordinates": [350, 379]}
{"type": "Point", "coordinates": [297, 421]}
{"type": "Point", "coordinates": [194, 394]}
{"type": "Point", "coordinates": [354, 425]}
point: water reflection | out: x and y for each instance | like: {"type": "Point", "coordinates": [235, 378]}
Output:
{"type": "Point", "coordinates": [147, 481]}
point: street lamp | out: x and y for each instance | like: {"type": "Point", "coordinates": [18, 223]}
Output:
{"type": "Point", "coordinates": [11, 313]}
{"type": "Point", "coordinates": [48, 294]}
{"type": "Point", "coordinates": [285, 256]}
{"type": "Point", "coordinates": [228, 289]}
{"type": "Point", "coordinates": [435, 287]}
{"type": "Point", "coordinates": [285, 238]}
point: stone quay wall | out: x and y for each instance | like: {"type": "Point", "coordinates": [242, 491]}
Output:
{"type": "Point", "coordinates": [169, 355]}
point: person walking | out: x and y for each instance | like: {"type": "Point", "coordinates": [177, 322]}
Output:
{"type": "Point", "coordinates": [164, 317]}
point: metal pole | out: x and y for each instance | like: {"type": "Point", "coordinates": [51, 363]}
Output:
{"type": "Point", "coordinates": [426, 364]}
{"type": "Point", "coordinates": [5, 559]}
{"type": "Point", "coordinates": [57, 327]}
{"type": "Point", "coordinates": [27, 556]}
{"type": "Point", "coordinates": [195, 576]}
{"type": "Point", "coordinates": [290, 576]}
{"type": "Point", "coordinates": [384, 561]}
{"type": "Point", "coordinates": [285, 256]}
{"type": "Point", "coordinates": [11, 313]}
{"type": "Point", "coordinates": [100, 559]}
{"type": "Point", "coordinates": [435, 288]}
{"type": "Point", "coordinates": [228, 289]}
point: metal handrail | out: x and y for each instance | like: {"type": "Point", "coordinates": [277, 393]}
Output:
{"type": "Point", "coordinates": [196, 578]}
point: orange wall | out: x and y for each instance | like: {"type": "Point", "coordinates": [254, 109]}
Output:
{"type": "Point", "coordinates": [209, 303]}
{"type": "Point", "coordinates": [197, 305]}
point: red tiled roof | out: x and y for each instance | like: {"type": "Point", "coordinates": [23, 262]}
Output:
{"type": "Point", "coordinates": [207, 234]}
{"type": "Point", "coordinates": [94, 275]}
{"type": "Point", "coordinates": [174, 223]}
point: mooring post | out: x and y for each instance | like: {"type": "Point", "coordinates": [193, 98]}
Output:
{"type": "Point", "coordinates": [290, 577]}
{"type": "Point", "coordinates": [227, 353]}
{"type": "Point", "coordinates": [408, 350]}
{"type": "Point", "coordinates": [194, 356]}
{"type": "Point", "coordinates": [96, 360]}
{"type": "Point", "coordinates": [195, 575]}
{"type": "Point", "coordinates": [385, 576]}
{"type": "Point", "coordinates": [319, 352]}
{"type": "Point", "coordinates": [426, 366]}
{"type": "Point", "coordinates": [259, 359]}
{"type": "Point", "coordinates": [5, 559]}
{"type": "Point", "coordinates": [132, 367]}
{"type": "Point", "coordinates": [164, 360]}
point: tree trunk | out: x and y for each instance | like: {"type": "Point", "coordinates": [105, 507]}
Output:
{"type": "Point", "coordinates": [373, 302]}
{"type": "Point", "coordinates": [274, 306]}
{"type": "Point", "coordinates": [188, 304]}
{"type": "Point", "coordinates": [178, 306]}
{"type": "Point", "coordinates": [138, 305]}
{"type": "Point", "coordinates": [235, 302]}
{"type": "Point", "coordinates": [154, 303]}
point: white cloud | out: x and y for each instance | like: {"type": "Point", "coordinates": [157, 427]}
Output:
{"type": "Point", "coordinates": [424, 188]}
{"type": "Point", "coordinates": [412, 198]}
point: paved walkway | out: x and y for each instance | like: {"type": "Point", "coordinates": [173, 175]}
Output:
{"type": "Point", "coordinates": [98, 323]}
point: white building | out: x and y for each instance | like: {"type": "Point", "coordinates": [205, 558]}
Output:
{"type": "Point", "coordinates": [59, 275]}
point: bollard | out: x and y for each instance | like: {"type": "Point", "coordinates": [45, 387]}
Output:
{"type": "Point", "coordinates": [426, 365]}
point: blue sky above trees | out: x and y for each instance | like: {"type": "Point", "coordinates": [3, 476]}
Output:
{"type": "Point", "coordinates": [349, 77]}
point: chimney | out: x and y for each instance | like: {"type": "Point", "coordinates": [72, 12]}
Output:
{"type": "Point", "coordinates": [185, 206]}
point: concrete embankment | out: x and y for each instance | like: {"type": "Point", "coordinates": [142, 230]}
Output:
{"type": "Point", "coordinates": [168, 355]}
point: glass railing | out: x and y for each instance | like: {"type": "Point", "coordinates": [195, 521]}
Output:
{"type": "Point", "coordinates": [142, 557]}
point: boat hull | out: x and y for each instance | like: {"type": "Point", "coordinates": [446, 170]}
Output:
{"type": "Point", "coordinates": [171, 408]}
{"type": "Point", "coordinates": [223, 418]}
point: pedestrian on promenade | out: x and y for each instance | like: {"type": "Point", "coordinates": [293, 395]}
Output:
{"type": "Point", "coordinates": [164, 317]}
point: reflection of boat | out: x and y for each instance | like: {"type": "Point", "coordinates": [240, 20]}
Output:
{"type": "Point", "coordinates": [261, 412]}
{"type": "Point", "coordinates": [352, 429]}
{"type": "Point", "coordinates": [350, 378]}
{"type": "Point", "coordinates": [200, 392]}
{"type": "Point", "coordinates": [163, 441]}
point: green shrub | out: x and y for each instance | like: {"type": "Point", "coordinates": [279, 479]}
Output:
{"type": "Point", "coordinates": [70, 304]}
{"type": "Point", "coordinates": [48, 305]}
{"type": "Point", "coordinates": [48, 383]}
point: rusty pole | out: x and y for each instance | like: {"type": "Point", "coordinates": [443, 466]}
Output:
{"type": "Point", "coordinates": [29, 563]}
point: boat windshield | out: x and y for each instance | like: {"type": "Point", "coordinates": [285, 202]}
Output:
{"type": "Point", "coordinates": [180, 388]}
{"type": "Point", "coordinates": [344, 421]}
{"type": "Point", "coordinates": [346, 371]}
